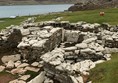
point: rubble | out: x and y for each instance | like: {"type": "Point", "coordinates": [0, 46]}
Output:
{"type": "Point", "coordinates": [64, 50]}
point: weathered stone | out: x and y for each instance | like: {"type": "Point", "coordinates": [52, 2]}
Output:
{"type": "Point", "coordinates": [24, 77]}
{"type": "Point", "coordinates": [38, 79]}
{"type": "Point", "coordinates": [86, 65]}
{"type": "Point", "coordinates": [90, 40]}
{"type": "Point", "coordinates": [99, 61]}
{"type": "Point", "coordinates": [25, 32]}
{"type": "Point", "coordinates": [14, 81]}
{"type": "Point", "coordinates": [81, 46]}
{"type": "Point", "coordinates": [80, 79]}
{"type": "Point", "coordinates": [23, 65]}
{"type": "Point", "coordinates": [70, 48]}
{"type": "Point", "coordinates": [18, 71]}
{"type": "Point", "coordinates": [72, 36]}
{"type": "Point", "coordinates": [2, 68]}
{"type": "Point", "coordinates": [10, 64]}
{"type": "Point", "coordinates": [39, 43]}
{"type": "Point", "coordinates": [6, 59]}
{"type": "Point", "coordinates": [22, 45]}
{"type": "Point", "coordinates": [32, 69]}
{"type": "Point", "coordinates": [17, 63]}
{"type": "Point", "coordinates": [47, 80]}
{"type": "Point", "coordinates": [88, 51]}
{"type": "Point", "coordinates": [35, 64]}
{"type": "Point", "coordinates": [17, 81]}
{"type": "Point", "coordinates": [74, 79]}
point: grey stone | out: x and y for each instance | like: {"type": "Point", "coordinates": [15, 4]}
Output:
{"type": "Point", "coordinates": [32, 69]}
{"type": "Point", "coordinates": [38, 79]}
{"type": "Point", "coordinates": [70, 48]}
{"type": "Point", "coordinates": [24, 77]}
{"type": "Point", "coordinates": [90, 40]}
{"type": "Point", "coordinates": [2, 68]}
{"type": "Point", "coordinates": [88, 51]}
{"type": "Point", "coordinates": [18, 71]}
{"type": "Point", "coordinates": [6, 59]}
{"type": "Point", "coordinates": [81, 46]}
{"type": "Point", "coordinates": [10, 64]}
{"type": "Point", "coordinates": [35, 64]}
{"type": "Point", "coordinates": [17, 63]}
{"type": "Point", "coordinates": [23, 65]}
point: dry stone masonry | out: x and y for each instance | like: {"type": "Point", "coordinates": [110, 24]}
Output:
{"type": "Point", "coordinates": [64, 50]}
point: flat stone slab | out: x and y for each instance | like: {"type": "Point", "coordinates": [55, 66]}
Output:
{"type": "Point", "coordinates": [24, 77]}
{"type": "Point", "coordinates": [32, 69]}
{"type": "Point", "coordinates": [23, 65]}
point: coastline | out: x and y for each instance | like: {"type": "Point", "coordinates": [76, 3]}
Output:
{"type": "Point", "coordinates": [34, 4]}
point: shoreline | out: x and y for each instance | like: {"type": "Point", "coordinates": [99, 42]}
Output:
{"type": "Point", "coordinates": [35, 4]}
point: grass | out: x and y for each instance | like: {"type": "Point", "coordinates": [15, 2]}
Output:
{"type": "Point", "coordinates": [5, 22]}
{"type": "Point", "coordinates": [106, 72]}
{"type": "Point", "coordinates": [91, 16]}
{"type": "Point", "coordinates": [33, 74]}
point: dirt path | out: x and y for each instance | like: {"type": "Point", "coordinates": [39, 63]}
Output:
{"type": "Point", "coordinates": [5, 78]}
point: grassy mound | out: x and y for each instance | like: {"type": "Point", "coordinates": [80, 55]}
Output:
{"type": "Point", "coordinates": [106, 72]}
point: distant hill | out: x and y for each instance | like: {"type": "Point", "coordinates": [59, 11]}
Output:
{"type": "Point", "coordinates": [21, 2]}
{"type": "Point", "coordinates": [94, 4]}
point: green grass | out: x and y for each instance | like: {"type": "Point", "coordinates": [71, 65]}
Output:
{"type": "Point", "coordinates": [9, 21]}
{"type": "Point", "coordinates": [106, 72]}
{"type": "Point", "coordinates": [33, 74]}
{"type": "Point", "coordinates": [91, 16]}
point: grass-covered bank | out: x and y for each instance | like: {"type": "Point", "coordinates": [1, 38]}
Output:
{"type": "Point", "coordinates": [106, 72]}
{"type": "Point", "coordinates": [91, 16]}
{"type": "Point", "coordinates": [5, 22]}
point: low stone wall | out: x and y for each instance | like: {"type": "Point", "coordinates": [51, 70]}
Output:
{"type": "Point", "coordinates": [39, 41]}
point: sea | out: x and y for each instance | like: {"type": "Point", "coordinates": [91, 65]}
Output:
{"type": "Point", "coordinates": [24, 10]}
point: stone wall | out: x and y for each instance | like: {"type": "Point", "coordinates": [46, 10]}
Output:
{"type": "Point", "coordinates": [39, 41]}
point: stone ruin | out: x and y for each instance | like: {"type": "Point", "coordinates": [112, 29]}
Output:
{"type": "Point", "coordinates": [68, 50]}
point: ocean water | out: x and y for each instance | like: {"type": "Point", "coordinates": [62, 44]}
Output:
{"type": "Point", "coordinates": [22, 10]}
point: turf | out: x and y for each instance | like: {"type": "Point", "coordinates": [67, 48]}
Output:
{"type": "Point", "coordinates": [106, 72]}
{"type": "Point", "coordinates": [5, 22]}
{"type": "Point", "coordinates": [91, 16]}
